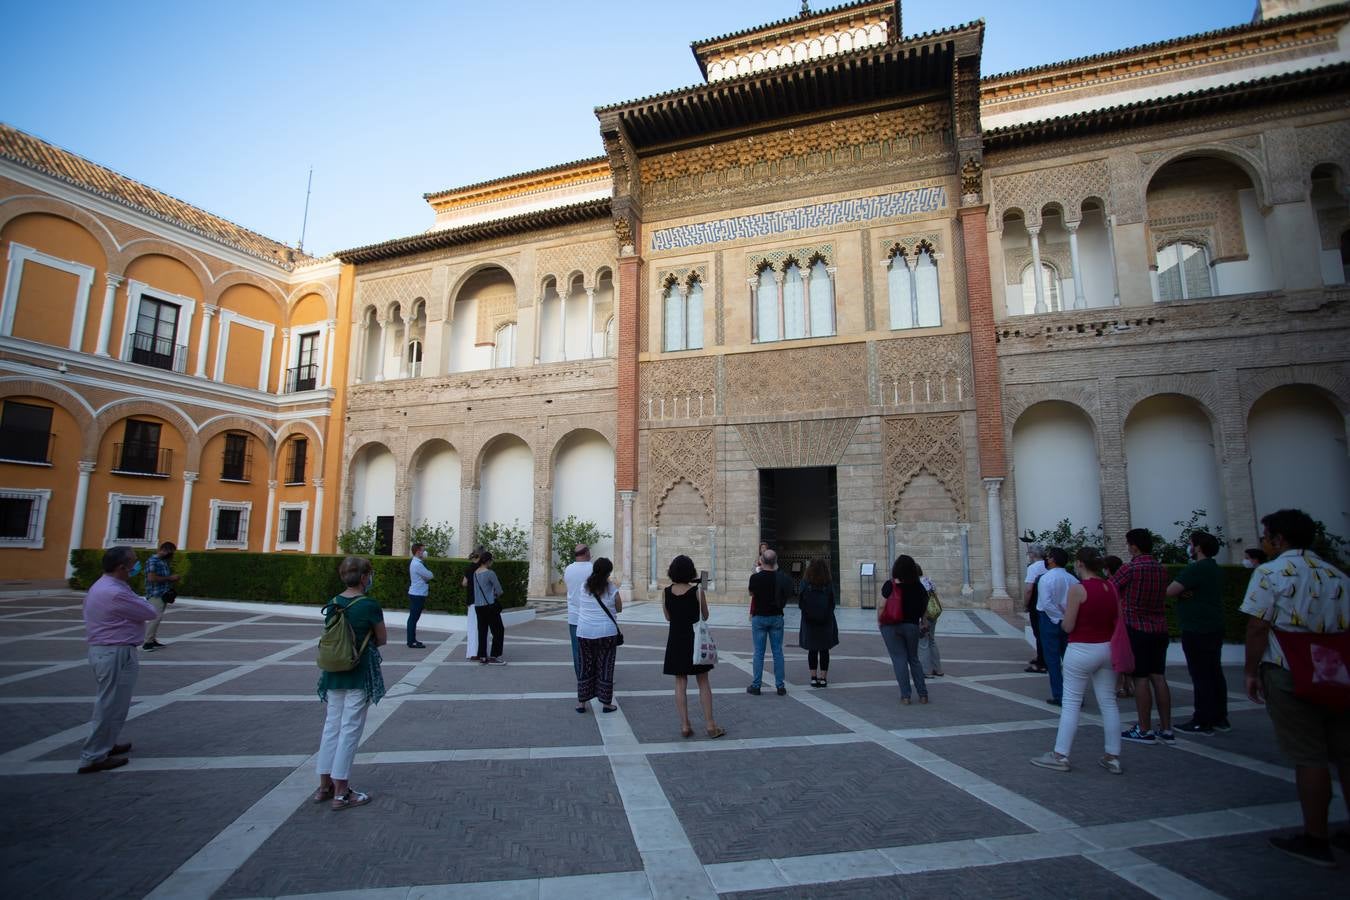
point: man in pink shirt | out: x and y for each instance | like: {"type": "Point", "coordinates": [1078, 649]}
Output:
{"type": "Point", "coordinates": [114, 626]}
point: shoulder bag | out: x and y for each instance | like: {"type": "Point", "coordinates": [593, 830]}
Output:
{"type": "Point", "coordinates": [1320, 664]}
{"type": "Point", "coordinates": [894, 610]}
{"type": "Point", "coordinates": [619, 640]}
{"type": "Point", "coordinates": [1122, 654]}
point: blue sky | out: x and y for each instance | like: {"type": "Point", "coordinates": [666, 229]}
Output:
{"type": "Point", "coordinates": [228, 105]}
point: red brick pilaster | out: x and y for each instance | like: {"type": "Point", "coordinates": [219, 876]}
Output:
{"type": "Point", "coordinates": [988, 392]}
{"type": "Point", "coordinates": [626, 462]}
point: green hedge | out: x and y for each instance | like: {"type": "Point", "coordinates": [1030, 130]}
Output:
{"type": "Point", "coordinates": [1234, 588]}
{"type": "Point", "coordinates": [306, 579]}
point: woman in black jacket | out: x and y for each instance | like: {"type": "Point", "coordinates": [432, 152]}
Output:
{"type": "Point", "coordinates": [819, 631]}
{"type": "Point", "coordinates": [899, 624]}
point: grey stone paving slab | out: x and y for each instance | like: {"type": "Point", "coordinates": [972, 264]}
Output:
{"type": "Point", "coordinates": [1012, 650]}
{"type": "Point", "coordinates": [460, 677]}
{"type": "Point", "coordinates": [214, 728]}
{"type": "Point", "coordinates": [1246, 866]}
{"type": "Point", "coordinates": [208, 650]}
{"type": "Point", "coordinates": [79, 681]}
{"type": "Point", "coordinates": [1252, 735]}
{"type": "Point", "coordinates": [257, 631]}
{"type": "Point", "coordinates": [482, 724]}
{"type": "Point", "coordinates": [655, 720]}
{"type": "Point", "coordinates": [291, 680]}
{"type": "Point", "coordinates": [1158, 781]}
{"type": "Point", "coordinates": [844, 671]}
{"type": "Point", "coordinates": [114, 835]}
{"type": "Point", "coordinates": [1037, 687]}
{"type": "Point", "coordinates": [1069, 877]}
{"type": "Point", "coordinates": [751, 804]}
{"type": "Point", "coordinates": [444, 823]}
{"type": "Point", "coordinates": [23, 628]}
{"type": "Point", "coordinates": [53, 649]}
{"type": "Point", "coordinates": [26, 723]}
{"type": "Point", "coordinates": [951, 704]}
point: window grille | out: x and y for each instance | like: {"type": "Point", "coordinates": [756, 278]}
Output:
{"type": "Point", "coordinates": [295, 463]}
{"type": "Point", "coordinates": [26, 433]}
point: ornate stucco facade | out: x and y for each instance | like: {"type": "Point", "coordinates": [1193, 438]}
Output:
{"type": "Point", "coordinates": [849, 295]}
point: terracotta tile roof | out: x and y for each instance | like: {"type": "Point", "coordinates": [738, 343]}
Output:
{"type": "Point", "coordinates": [35, 153]}
{"type": "Point", "coordinates": [521, 176]}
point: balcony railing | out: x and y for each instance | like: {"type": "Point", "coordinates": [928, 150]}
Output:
{"type": "Point", "coordinates": [26, 445]}
{"type": "Point", "coordinates": [236, 467]}
{"type": "Point", "coordinates": [141, 458]}
{"type": "Point", "coordinates": [161, 353]}
{"type": "Point", "coordinates": [302, 378]}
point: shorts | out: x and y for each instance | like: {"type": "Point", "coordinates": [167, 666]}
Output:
{"type": "Point", "coordinates": [1150, 652]}
{"type": "Point", "coordinates": [1309, 734]}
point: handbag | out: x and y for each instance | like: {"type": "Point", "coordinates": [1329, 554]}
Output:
{"type": "Point", "coordinates": [934, 606]}
{"type": "Point", "coordinates": [1320, 664]}
{"type": "Point", "coordinates": [705, 648]}
{"type": "Point", "coordinates": [893, 612]}
{"type": "Point", "coordinates": [619, 640]}
{"type": "Point", "coordinates": [169, 596]}
{"type": "Point", "coordinates": [1122, 654]}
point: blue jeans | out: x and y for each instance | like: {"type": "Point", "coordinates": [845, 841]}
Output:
{"type": "Point", "coordinates": [770, 627]}
{"type": "Point", "coordinates": [576, 650]}
{"type": "Point", "coordinates": [1052, 640]}
{"type": "Point", "coordinates": [902, 643]}
{"type": "Point", "coordinates": [415, 605]}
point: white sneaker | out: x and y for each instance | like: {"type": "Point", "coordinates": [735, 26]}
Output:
{"type": "Point", "coordinates": [1110, 765]}
{"type": "Point", "coordinates": [1051, 761]}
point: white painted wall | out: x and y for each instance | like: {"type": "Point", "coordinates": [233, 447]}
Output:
{"type": "Point", "coordinates": [1094, 259]}
{"type": "Point", "coordinates": [1333, 270]}
{"type": "Point", "coordinates": [1171, 467]}
{"type": "Point", "coordinates": [550, 320]}
{"type": "Point", "coordinates": [1299, 457]}
{"type": "Point", "coordinates": [373, 476]}
{"type": "Point", "coordinates": [1055, 468]}
{"type": "Point", "coordinates": [464, 356]}
{"type": "Point", "coordinates": [506, 485]}
{"type": "Point", "coordinates": [577, 308]}
{"type": "Point", "coordinates": [435, 487]}
{"type": "Point", "coordinates": [1255, 273]}
{"type": "Point", "coordinates": [583, 485]}
{"type": "Point", "coordinates": [374, 360]}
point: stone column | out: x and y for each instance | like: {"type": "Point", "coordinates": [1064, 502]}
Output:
{"type": "Point", "coordinates": [317, 529]}
{"type": "Point", "coordinates": [966, 588]}
{"type": "Point", "coordinates": [112, 283]}
{"type": "Point", "coordinates": [1079, 301]}
{"type": "Point", "coordinates": [590, 323]}
{"type": "Point", "coordinates": [185, 514]}
{"type": "Point", "coordinates": [1037, 278]}
{"type": "Point", "coordinates": [778, 280]}
{"type": "Point", "coordinates": [204, 341]}
{"type": "Point", "coordinates": [538, 328]}
{"type": "Point", "coordinates": [1111, 248]}
{"type": "Point", "coordinates": [267, 520]}
{"type": "Point", "coordinates": [562, 324]}
{"type": "Point", "coordinates": [806, 301]}
{"type": "Point", "coordinates": [403, 345]}
{"type": "Point", "coordinates": [385, 330]}
{"type": "Point", "coordinates": [754, 308]}
{"type": "Point", "coordinates": [834, 294]}
{"type": "Point", "coordinates": [81, 507]}
{"type": "Point", "coordinates": [285, 386]}
{"type": "Point", "coordinates": [626, 577]}
{"type": "Point", "coordinates": [329, 344]}
{"type": "Point", "coordinates": [358, 355]}
{"type": "Point", "coordinates": [998, 588]}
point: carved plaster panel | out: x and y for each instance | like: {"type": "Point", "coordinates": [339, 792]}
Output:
{"type": "Point", "coordinates": [932, 444]}
{"type": "Point", "coordinates": [682, 454]}
{"type": "Point", "coordinates": [403, 288]}
{"type": "Point", "coordinates": [918, 370]}
{"type": "Point", "coordinates": [678, 388]}
{"type": "Point", "coordinates": [799, 379]}
{"type": "Point", "coordinates": [588, 259]}
{"type": "Point", "coordinates": [1328, 143]}
{"type": "Point", "coordinates": [804, 257]}
{"type": "Point", "coordinates": [787, 445]}
{"type": "Point", "coordinates": [1067, 185]}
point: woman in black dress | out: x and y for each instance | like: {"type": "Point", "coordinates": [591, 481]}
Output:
{"type": "Point", "coordinates": [819, 631]}
{"type": "Point", "coordinates": [685, 603]}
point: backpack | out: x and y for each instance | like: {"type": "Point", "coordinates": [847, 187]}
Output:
{"type": "Point", "coordinates": [337, 646]}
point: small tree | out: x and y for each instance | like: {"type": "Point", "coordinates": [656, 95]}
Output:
{"type": "Point", "coordinates": [438, 537]}
{"type": "Point", "coordinates": [1331, 547]}
{"type": "Point", "coordinates": [569, 532]}
{"type": "Point", "coordinates": [358, 541]}
{"type": "Point", "coordinates": [503, 541]}
{"type": "Point", "coordinates": [1177, 550]}
{"type": "Point", "coordinates": [1071, 539]}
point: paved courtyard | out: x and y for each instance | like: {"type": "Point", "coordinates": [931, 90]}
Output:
{"type": "Point", "coordinates": [487, 784]}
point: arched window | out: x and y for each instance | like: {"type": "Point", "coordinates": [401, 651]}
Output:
{"type": "Point", "coordinates": [673, 305]}
{"type": "Point", "coordinates": [927, 301]}
{"type": "Point", "coordinates": [414, 359]}
{"type": "Point", "coordinates": [504, 347]}
{"type": "Point", "coordinates": [1183, 272]}
{"type": "Point", "coordinates": [899, 286]}
{"type": "Point", "coordinates": [822, 300]}
{"type": "Point", "coordinates": [693, 315]}
{"type": "Point", "coordinates": [794, 303]}
{"type": "Point", "coordinates": [1049, 285]}
{"type": "Point", "coordinates": [766, 307]}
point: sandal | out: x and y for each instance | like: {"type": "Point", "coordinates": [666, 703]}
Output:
{"type": "Point", "coordinates": [350, 799]}
{"type": "Point", "coordinates": [581, 708]}
{"type": "Point", "coordinates": [609, 709]}
{"type": "Point", "coordinates": [686, 732]}
{"type": "Point", "coordinates": [823, 683]}
{"type": "Point", "coordinates": [716, 732]}
{"type": "Point", "coordinates": [815, 682]}
{"type": "Point", "coordinates": [1039, 670]}
{"type": "Point", "coordinates": [321, 795]}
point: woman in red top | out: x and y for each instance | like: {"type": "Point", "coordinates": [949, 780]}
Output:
{"type": "Point", "coordinates": [1089, 620]}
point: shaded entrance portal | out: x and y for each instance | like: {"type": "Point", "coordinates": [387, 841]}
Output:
{"type": "Point", "coordinates": [799, 517]}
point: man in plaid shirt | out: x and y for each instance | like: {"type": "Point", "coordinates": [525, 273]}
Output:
{"type": "Point", "coordinates": [1142, 583]}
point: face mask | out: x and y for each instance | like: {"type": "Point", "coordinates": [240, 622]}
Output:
{"type": "Point", "coordinates": [135, 570]}
{"type": "Point", "coordinates": [370, 583]}
{"type": "Point", "coordinates": [1190, 551]}
{"type": "Point", "coordinates": [1248, 562]}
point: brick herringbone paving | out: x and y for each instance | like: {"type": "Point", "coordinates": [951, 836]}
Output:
{"type": "Point", "coordinates": [113, 837]}
{"type": "Point", "coordinates": [488, 820]}
{"type": "Point", "coordinates": [749, 804]}
{"type": "Point", "coordinates": [1075, 878]}
{"type": "Point", "coordinates": [556, 795]}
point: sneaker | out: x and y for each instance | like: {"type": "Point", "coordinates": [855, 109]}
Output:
{"type": "Point", "coordinates": [1110, 765]}
{"type": "Point", "coordinates": [1167, 738]}
{"type": "Point", "coordinates": [782, 691]}
{"type": "Point", "coordinates": [417, 645]}
{"type": "Point", "coordinates": [149, 648]}
{"type": "Point", "coordinates": [1306, 848]}
{"type": "Point", "coordinates": [1051, 761]}
{"type": "Point", "coordinates": [753, 689]}
{"type": "Point", "coordinates": [1225, 726]}
{"type": "Point", "coordinates": [1137, 736]}
{"type": "Point", "coordinates": [1053, 702]}
{"type": "Point", "coordinates": [103, 765]}
{"type": "Point", "coordinates": [494, 661]}
{"type": "Point", "coordinates": [1194, 727]}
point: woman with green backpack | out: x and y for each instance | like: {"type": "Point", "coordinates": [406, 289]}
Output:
{"type": "Point", "coordinates": [349, 680]}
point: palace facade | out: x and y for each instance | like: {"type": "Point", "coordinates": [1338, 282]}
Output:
{"type": "Point", "coordinates": [848, 295]}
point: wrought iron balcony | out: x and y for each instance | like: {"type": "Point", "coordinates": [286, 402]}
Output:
{"type": "Point", "coordinates": [142, 458]}
{"type": "Point", "coordinates": [236, 466]}
{"type": "Point", "coordinates": [26, 445]}
{"type": "Point", "coordinates": [302, 378]}
{"type": "Point", "coordinates": [161, 353]}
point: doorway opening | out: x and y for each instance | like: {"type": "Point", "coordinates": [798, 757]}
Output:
{"type": "Point", "coordinates": [799, 518]}
{"type": "Point", "coordinates": [384, 535]}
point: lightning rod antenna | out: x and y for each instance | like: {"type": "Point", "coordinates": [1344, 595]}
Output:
{"type": "Point", "coordinates": [304, 223]}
